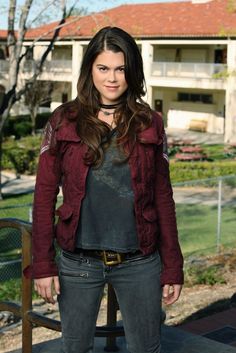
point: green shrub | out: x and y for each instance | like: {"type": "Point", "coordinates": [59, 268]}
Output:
{"type": "Point", "coordinates": [186, 171]}
{"type": "Point", "coordinates": [6, 163]}
{"type": "Point", "coordinates": [11, 290]}
{"type": "Point", "coordinates": [9, 126]}
{"type": "Point", "coordinates": [22, 129]}
{"type": "Point", "coordinates": [172, 150]}
{"type": "Point", "coordinates": [197, 275]}
{"type": "Point", "coordinates": [22, 160]}
{"type": "Point", "coordinates": [21, 155]}
{"type": "Point", "coordinates": [22, 126]}
{"type": "Point", "coordinates": [41, 120]}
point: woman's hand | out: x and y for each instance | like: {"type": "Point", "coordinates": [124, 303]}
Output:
{"type": "Point", "coordinates": [171, 293]}
{"type": "Point", "coordinates": [45, 287]}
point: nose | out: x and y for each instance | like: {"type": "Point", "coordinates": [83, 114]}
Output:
{"type": "Point", "coordinates": [112, 76]}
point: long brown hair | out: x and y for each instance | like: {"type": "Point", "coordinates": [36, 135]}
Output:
{"type": "Point", "coordinates": [132, 115]}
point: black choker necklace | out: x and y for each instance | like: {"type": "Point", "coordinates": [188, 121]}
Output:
{"type": "Point", "coordinates": [109, 106]}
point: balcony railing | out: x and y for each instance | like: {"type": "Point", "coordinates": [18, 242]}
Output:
{"type": "Point", "coordinates": [159, 69]}
{"type": "Point", "coordinates": [188, 70]}
{"type": "Point", "coordinates": [61, 66]}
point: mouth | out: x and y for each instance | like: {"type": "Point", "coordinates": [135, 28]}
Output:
{"type": "Point", "coordinates": [112, 87]}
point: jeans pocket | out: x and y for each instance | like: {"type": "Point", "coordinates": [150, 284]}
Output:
{"type": "Point", "coordinates": [72, 266]}
{"type": "Point", "coordinates": [74, 274]}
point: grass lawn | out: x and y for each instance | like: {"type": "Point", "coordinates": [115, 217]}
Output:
{"type": "Point", "coordinates": [198, 228]}
{"type": "Point", "coordinates": [197, 232]}
{"type": "Point", "coordinates": [17, 206]}
{"type": "Point", "coordinates": [197, 224]}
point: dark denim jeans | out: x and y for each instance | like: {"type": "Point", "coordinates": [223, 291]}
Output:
{"type": "Point", "coordinates": [137, 287]}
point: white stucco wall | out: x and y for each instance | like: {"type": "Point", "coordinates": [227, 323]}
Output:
{"type": "Point", "coordinates": [230, 104]}
{"type": "Point", "coordinates": [179, 114]}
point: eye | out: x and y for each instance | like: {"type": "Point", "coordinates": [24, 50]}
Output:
{"type": "Point", "coordinates": [102, 68]}
{"type": "Point", "coordinates": [121, 69]}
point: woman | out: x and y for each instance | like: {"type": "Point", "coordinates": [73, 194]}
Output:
{"type": "Point", "coordinates": [117, 220]}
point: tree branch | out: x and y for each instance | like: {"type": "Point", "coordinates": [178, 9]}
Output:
{"type": "Point", "coordinates": [11, 40]}
{"type": "Point", "coordinates": [61, 25]}
{"type": "Point", "coordinates": [41, 12]}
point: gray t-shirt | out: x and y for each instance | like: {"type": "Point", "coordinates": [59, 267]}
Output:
{"type": "Point", "coordinates": [107, 219]}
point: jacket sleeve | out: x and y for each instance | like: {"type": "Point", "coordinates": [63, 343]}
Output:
{"type": "Point", "coordinates": [45, 197]}
{"type": "Point", "coordinates": [168, 244]}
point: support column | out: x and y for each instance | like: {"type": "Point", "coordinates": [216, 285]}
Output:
{"type": "Point", "coordinates": [147, 55]}
{"type": "Point", "coordinates": [230, 101]}
{"type": "Point", "coordinates": [77, 55]}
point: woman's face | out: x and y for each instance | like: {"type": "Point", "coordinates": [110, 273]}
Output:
{"type": "Point", "coordinates": [108, 72]}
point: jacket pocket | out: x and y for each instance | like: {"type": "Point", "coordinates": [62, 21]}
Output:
{"type": "Point", "coordinates": [66, 227]}
{"type": "Point", "coordinates": [64, 212]}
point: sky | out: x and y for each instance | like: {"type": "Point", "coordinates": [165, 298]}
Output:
{"type": "Point", "coordinates": [106, 4]}
{"type": "Point", "coordinates": [91, 5]}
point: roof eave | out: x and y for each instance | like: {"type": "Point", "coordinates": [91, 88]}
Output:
{"type": "Point", "coordinates": [146, 37]}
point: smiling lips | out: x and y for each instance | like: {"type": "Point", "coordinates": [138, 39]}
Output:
{"type": "Point", "coordinates": [112, 87]}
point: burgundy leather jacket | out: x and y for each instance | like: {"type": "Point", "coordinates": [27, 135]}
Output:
{"type": "Point", "coordinates": [153, 202]}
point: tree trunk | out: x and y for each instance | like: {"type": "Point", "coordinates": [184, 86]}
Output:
{"type": "Point", "coordinates": [0, 163]}
{"type": "Point", "coordinates": [33, 114]}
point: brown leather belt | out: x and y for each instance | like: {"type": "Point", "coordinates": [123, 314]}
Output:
{"type": "Point", "coordinates": [110, 258]}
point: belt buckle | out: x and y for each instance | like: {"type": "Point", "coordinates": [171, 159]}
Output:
{"type": "Point", "coordinates": [116, 261]}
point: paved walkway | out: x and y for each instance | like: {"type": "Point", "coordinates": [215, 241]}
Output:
{"type": "Point", "coordinates": [190, 195]}
{"type": "Point", "coordinates": [193, 137]}
{"type": "Point", "coordinates": [220, 327]}
{"type": "Point", "coordinates": [174, 340]}
{"type": "Point", "coordinates": [16, 186]}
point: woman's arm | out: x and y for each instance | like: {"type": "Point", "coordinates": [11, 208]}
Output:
{"type": "Point", "coordinates": [168, 244]}
{"type": "Point", "coordinates": [45, 197]}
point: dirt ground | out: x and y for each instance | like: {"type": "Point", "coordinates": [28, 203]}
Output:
{"type": "Point", "coordinates": [195, 302]}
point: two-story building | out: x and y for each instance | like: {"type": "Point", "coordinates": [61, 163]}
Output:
{"type": "Point", "coordinates": [189, 54]}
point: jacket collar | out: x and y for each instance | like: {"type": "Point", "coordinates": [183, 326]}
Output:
{"type": "Point", "coordinates": [67, 132]}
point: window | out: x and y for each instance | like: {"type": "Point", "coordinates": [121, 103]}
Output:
{"type": "Point", "coordinates": [195, 97]}
{"type": "Point", "coordinates": [64, 97]}
{"type": "Point", "coordinates": [29, 54]}
{"type": "Point", "coordinates": [183, 97]}
{"type": "Point", "coordinates": [2, 54]}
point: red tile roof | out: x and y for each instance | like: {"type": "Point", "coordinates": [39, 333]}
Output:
{"type": "Point", "coordinates": [185, 18]}
{"type": "Point", "coordinates": [3, 34]}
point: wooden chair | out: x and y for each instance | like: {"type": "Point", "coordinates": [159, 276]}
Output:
{"type": "Point", "coordinates": [32, 318]}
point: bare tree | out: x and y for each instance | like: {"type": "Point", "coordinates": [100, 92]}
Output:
{"type": "Point", "coordinates": [16, 52]}
{"type": "Point", "coordinates": [16, 55]}
{"type": "Point", "coordinates": [15, 45]}
{"type": "Point", "coordinates": [37, 93]}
